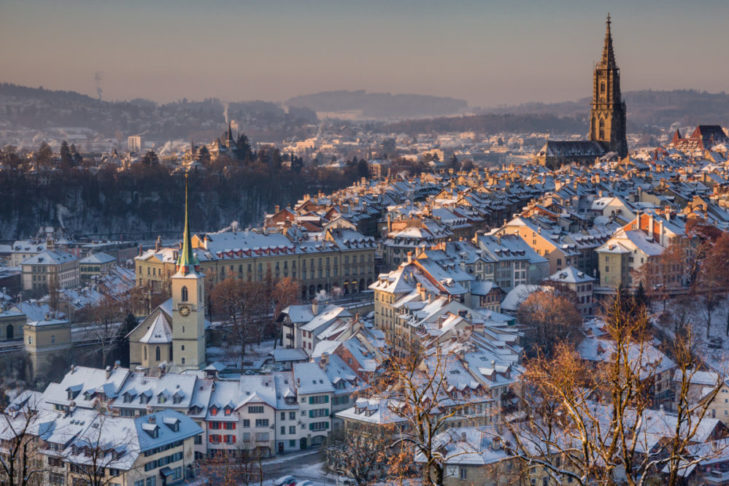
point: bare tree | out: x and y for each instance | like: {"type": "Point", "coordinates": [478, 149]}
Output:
{"type": "Point", "coordinates": [232, 470]}
{"type": "Point", "coordinates": [664, 276]}
{"type": "Point", "coordinates": [105, 317]}
{"type": "Point", "coordinates": [590, 424]}
{"type": "Point", "coordinates": [712, 279]}
{"type": "Point", "coordinates": [416, 389]}
{"type": "Point", "coordinates": [361, 457]}
{"type": "Point", "coordinates": [553, 317]}
{"type": "Point", "coordinates": [97, 454]}
{"type": "Point", "coordinates": [19, 465]}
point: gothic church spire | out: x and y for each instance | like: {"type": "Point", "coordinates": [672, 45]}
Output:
{"type": "Point", "coordinates": [187, 261]}
{"type": "Point", "coordinates": [608, 56]}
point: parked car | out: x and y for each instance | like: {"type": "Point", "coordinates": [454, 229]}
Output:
{"type": "Point", "coordinates": [285, 481]}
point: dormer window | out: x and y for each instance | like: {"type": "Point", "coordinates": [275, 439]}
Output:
{"type": "Point", "coordinates": [173, 423]}
{"type": "Point", "coordinates": [151, 429]}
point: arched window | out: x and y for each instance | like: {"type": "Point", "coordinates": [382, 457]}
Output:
{"type": "Point", "coordinates": [10, 332]}
{"type": "Point", "coordinates": [602, 129]}
{"type": "Point", "coordinates": [157, 354]}
{"type": "Point", "coordinates": [602, 87]}
{"type": "Point", "coordinates": [184, 294]}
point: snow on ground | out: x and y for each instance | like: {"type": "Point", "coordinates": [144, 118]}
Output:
{"type": "Point", "coordinates": [714, 348]}
{"type": "Point", "coordinates": [229, 355]}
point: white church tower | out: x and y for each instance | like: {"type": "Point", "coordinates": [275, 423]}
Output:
{"type": "Point", "coordinates": [188, 305]}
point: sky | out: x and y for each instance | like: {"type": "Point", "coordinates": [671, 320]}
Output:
{"type": "Point", "coordinates": [487, 52]}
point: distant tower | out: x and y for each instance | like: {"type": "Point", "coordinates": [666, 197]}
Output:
{"type": "Point", "coordinates": [607, 116]}
{"type": "Point", "coordinates": [188, 304]}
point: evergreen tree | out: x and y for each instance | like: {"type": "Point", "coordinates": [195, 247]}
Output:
{"type": "Point", "coordinates": [77, 157]}
{"type": "Point", "coordinates": [150, 159]}
{"type": "Point", "coordinates": [243, 148]}
{"type": "Point", "coordinates": [641, 298]}
{"type": "Point", "coordinates": [66, 157]}
{"type": "Point", "coordinates": [44, 155]}
{"type": "Point", "coordinates": [203, 155]}
{"type": "Point", "coordinates": [363, 170]}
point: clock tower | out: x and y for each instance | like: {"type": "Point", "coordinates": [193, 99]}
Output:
{"type": "Point", "coordinates": [188, 304]}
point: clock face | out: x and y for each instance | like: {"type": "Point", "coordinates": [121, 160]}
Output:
{"type": "Point", "coordinates": [184, 310]}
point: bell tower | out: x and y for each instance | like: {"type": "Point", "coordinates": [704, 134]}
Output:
{"type": "Point", "coordinates": [607, 114]}
{"type": "Point", "coordinates": [188, 304]}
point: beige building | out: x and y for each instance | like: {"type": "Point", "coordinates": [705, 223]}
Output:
{"type": "Point", "coordinates": [342, 259]}
{"type": "Point", "coordinates": [50, 268]}
{"type": "Point", "coordinates": [11, 325]}
{"type": "Point", "coordinates": [577, 283]}
{"type": "Point", "coordinates": [95, 265]}
{"type": "Point", "coordinates": [45, 340]}
{"type": "Point", "coordinates": [542, 242]}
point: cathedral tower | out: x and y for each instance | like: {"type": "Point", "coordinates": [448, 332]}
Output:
{"type": "Point", "coordinates": [188, 304]}
{"type": "Point", "coordinates": [607, 115]}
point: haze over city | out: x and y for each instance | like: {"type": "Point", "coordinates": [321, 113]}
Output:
{"type": "Point", "coordinates": [489, 53]}
{"type": "Point", "coordinates": [329, 243]}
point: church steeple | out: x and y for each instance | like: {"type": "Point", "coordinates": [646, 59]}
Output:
{"type": "Point", "coordinates": [608, 56]}
{"type": "Point", "coordinates": [607, 114]}
{"type": "Point", "coordinates": [187, 261]}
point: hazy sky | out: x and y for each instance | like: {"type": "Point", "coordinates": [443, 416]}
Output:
{"type": "Point", "coordinates": [488, 52]}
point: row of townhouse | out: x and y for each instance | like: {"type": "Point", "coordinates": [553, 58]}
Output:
{"type": "Point", "coordinates": [340, 258]}
{"type": "Point", "coordinates": [77, 446]}
{"type": "Point", "coordinates": [263, 414]}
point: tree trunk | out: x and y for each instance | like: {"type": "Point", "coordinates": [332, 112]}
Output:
{"type": "Point", "coordinates": [708, 318]}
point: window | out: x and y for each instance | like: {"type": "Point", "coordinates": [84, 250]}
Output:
{"type": "Point", "coordinates": [185, 295]}
{"type": "Point", "coordinates": [317, 399]}
{"type": "Point", "coordinates": [157, 354]}
{"type": "Point", "coordinates": [255, 409]}
{"type": "Point", "coordinates": [463, 473]}
{"type": "Point", "coordinates": [292, 429]}
{"type": "Point", "coordinates": [261, 422]}
{"type": "Point", "coordinates": [318, 426]}
{"type": "Point", "coordinates": [246, 423]}
{"type": "Point", "coordinates": [262, 436]}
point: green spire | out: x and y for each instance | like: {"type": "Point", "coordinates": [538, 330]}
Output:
{"type": "Point", "coordinates": [187, 262]}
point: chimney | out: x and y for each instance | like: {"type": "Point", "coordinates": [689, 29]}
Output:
{"type": "Point", "coordinates": [389, 222]}
{"type": "Point", "coordinates": [108, 371]}
{"type": "Point", "coordinates": [410, 256]}
{"type": "Point", "coordinates": [158, 243]}
{"type": "Point", "coordinates": [661, 232]}
{"type": "Point", "coordinates": [315, 307]}
{"type": "Point", "coordinates": [140, 250]}
{"type": "Point", "coordinates": [324, 360]}
{"type": "Point", "coordinates": [650, 226]}
{"type": "Point", "coordinates": [276, 208]}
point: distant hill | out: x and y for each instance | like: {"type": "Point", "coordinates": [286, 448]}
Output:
{"type": "Point", "coordinates": [491, 123]}
{"type": "Point", "coordinates": [364, 105]}
{"type": "Point", "coordinates": [647, 109]}
{"type": "Point", "coordinates": [40, 109]}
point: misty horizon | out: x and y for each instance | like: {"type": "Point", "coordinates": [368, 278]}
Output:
{"type": "Point", "coordinates": [486, 53]}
